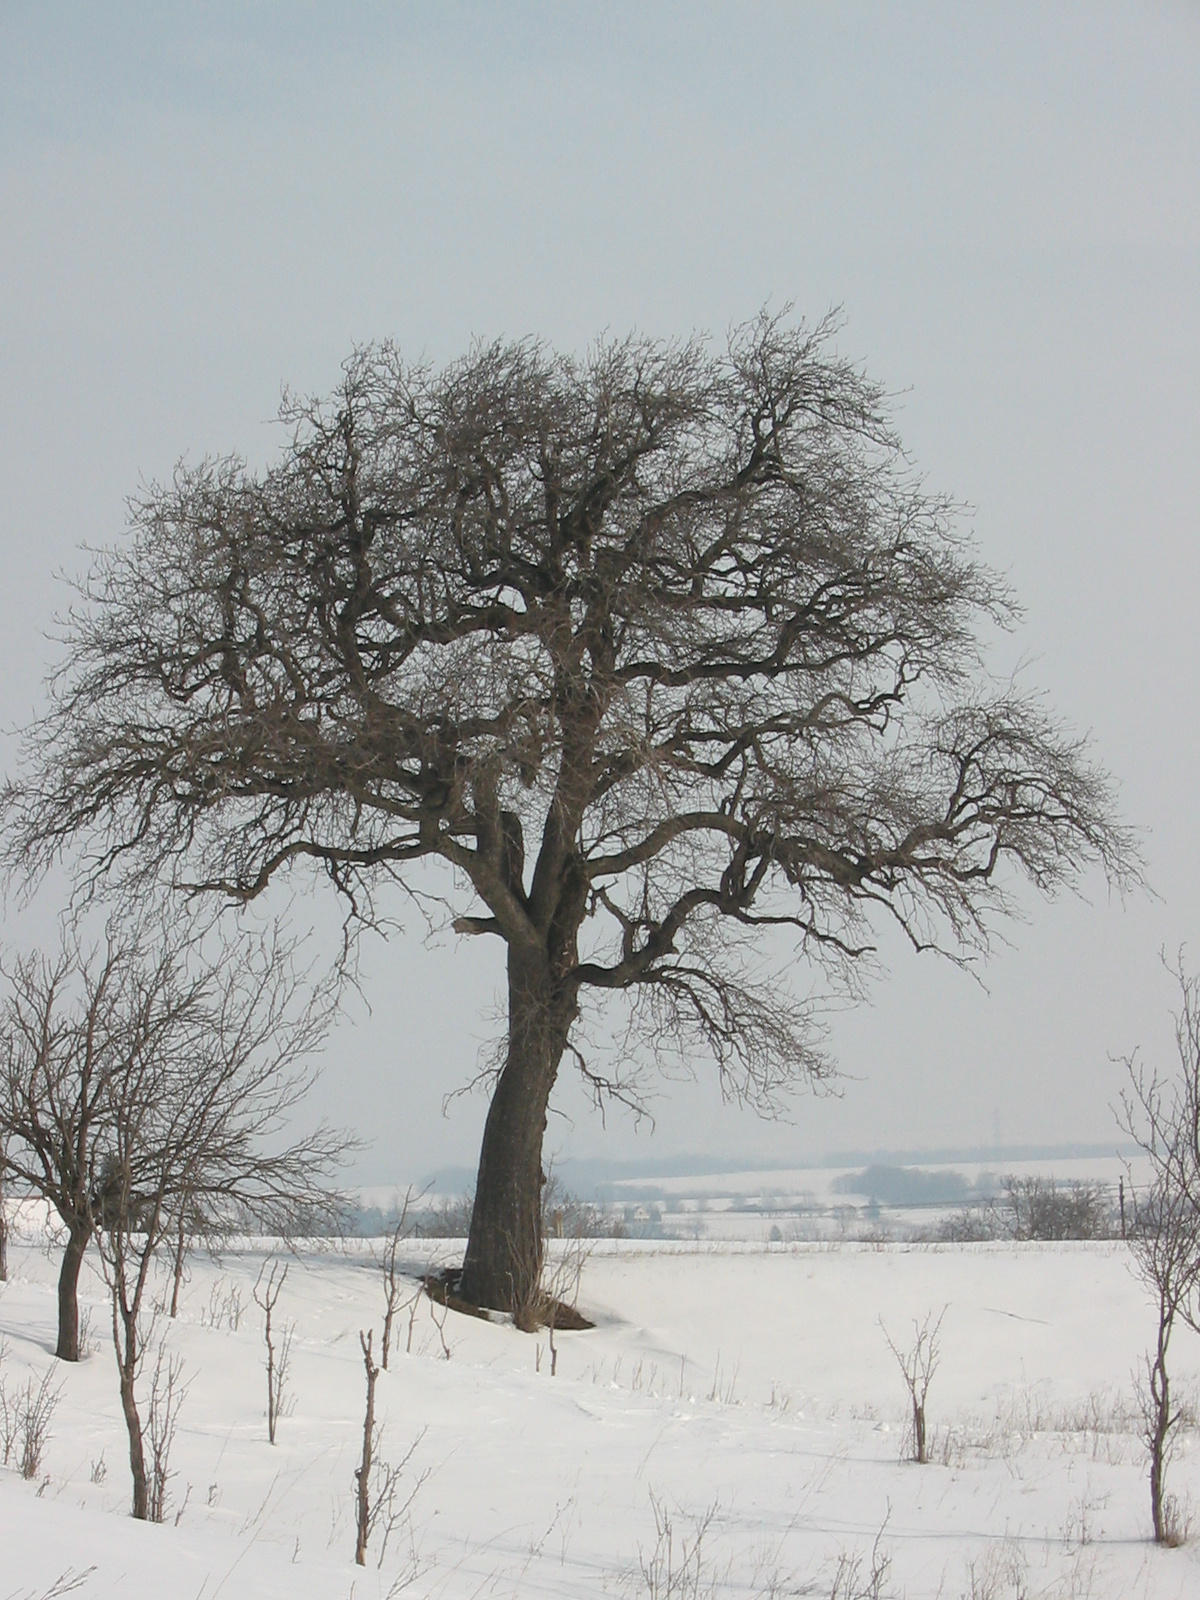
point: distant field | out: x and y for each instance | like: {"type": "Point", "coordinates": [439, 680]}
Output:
{"type": "Point", "coordinates": [815, 1202]}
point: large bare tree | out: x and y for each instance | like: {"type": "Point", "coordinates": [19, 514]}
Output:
{"type": "Point", "coordinates": [654, 648]}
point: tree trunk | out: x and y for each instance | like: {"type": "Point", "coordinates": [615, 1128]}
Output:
{"type": "Point", "coordinates": [137, 1454]}
{"type": "Point", "coordinates": [503, 1264]}
{"type": "Point", "coordinates": [68, 1296]}
{"type": "Point", "coordinates": [180, 1253]}
{"type": "Point", "coordinates": [3, 1227]}
{"type": "Point", "coordinates": [1159, 1432]}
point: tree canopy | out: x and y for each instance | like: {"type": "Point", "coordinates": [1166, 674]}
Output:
{"type": "Point", "coordinates": [654, 647]}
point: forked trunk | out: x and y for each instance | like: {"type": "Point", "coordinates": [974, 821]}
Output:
{"type": "Point", "coordinates": [503, 1264]}
{"type": "Point", "coordinates": [68, 1293]}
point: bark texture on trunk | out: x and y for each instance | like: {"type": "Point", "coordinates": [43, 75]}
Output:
{"type": "Point", "coordinates": [137, 1454]}
{"type": "Point", "coordinates": [503, 1264]}
{"type": "Point", "coordinates": [68, 1294]}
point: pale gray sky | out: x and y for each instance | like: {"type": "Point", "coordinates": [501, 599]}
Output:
{"type": "Point", "coordinates": [200, 202]}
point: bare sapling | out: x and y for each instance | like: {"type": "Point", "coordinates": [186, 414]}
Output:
{"type": "Point", "coordinates": [167, 1394]}
{"type": "Point", "coordinates": [439, 1323]}
{"type": "Point", "coordinates": [278, 1340]}
{"type": "Point", "coordinates": [394, 1283]}
{"type": "Point", "coordinates": [379, 1505]}
{"type": "Point", "coordinates": [1163, 1118]}
{"type": "Point", "coordinates": [918, 1365]}
{"type": "Point", "coordinates": [362, 1473]}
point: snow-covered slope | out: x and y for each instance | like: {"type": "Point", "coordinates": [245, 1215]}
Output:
{"type": "Point", "coordinates": [751, 1385]}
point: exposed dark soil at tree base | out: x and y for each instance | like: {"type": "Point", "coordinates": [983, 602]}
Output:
{"type": "Point", "coordinates": [441, 1285]}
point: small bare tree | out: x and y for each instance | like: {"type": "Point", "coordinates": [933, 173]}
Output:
{"type": "Point", "coordinates": [918, 1364]}
{"type": "Point", "coordinates": [188, 1125]}
{"type": "Point", "coordinates": [1163, 1118]}
{"type": "Point", "coordinates": [278, 1340]}
{"type": "Point", "coordinates": [67, 1026]}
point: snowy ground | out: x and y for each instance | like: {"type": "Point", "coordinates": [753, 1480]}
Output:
{"type": "Point", "coordinates": [751, 1383]}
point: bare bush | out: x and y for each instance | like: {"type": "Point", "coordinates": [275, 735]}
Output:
{"type": "Point", "coordinates": [1040, 1208]}
{"type": "Point", "coordinates": [971, 1225]}
{"type": "Point", "coordinates": [278, 1340]}
{"type": "Point", "coordinates": [918, 1364]}
{"type": "Point", "coordinates": [224, 1308]}
{"type": "Point", "coordinates": [1032, 1208]}
{"type": "Point", "coordinates": [857, 1577]}
{"type": "Point", "coordinates": [25, 1419]}
{"type": "Point", "coordinates": [675, 1567]}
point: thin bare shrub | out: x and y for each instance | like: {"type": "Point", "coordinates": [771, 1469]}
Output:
{"type": "Point", "coordinates": [857, 1578]}
{"type": "Point", "coordinates": [918, 1364]}
{"type": "Point", "coordinates": [675, 1566]}
{"type": "Point", "coordinates": [380, 1505]}
{"type": "Point", "coordinates": [278, 1340]}
{"type": "Point", "coordinates": [25, 1423]}
{"type": "Point", "coordinates": [167, 1394]}
{"type": "Point", "coordinates": [1164, 1119]}
{"type": "Point", "coordinates": [224, 1306]}
{"type": "Point", "coordinates": [395, 1286]}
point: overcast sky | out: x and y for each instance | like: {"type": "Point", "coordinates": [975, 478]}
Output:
{"type": "Point", "coordinates": [200, 203]}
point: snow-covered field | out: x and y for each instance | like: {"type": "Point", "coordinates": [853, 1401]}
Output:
{"type": "Point", "coordinates": [749, 1385]}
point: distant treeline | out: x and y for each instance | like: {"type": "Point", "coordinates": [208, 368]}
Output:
{"type": "Point", "coordinates": [912, 1186]}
